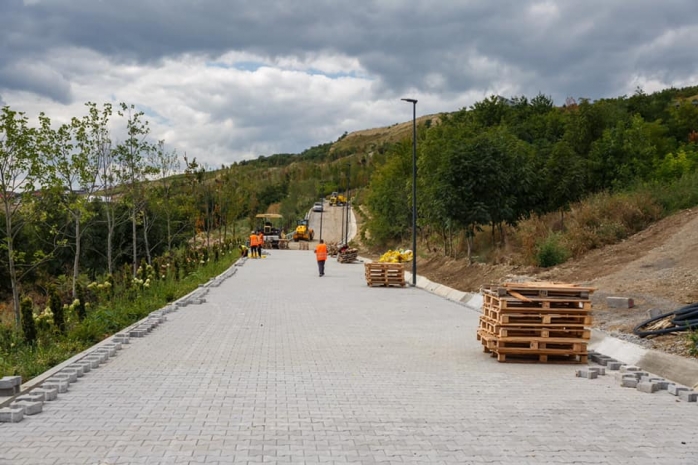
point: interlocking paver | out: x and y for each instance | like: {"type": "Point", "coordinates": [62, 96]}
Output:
{"type": "Point", "coordinates": [280, 366]}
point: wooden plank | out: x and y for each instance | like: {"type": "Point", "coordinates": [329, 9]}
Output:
{"type": "Point", "coordinates": [519, 296]}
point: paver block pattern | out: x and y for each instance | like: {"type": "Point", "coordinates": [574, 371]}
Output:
{"type": "Point", "coordinates": [328, 370]}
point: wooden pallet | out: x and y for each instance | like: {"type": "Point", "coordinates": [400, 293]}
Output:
{"type": "Point", "coordinates": [504, 331]}
{"type": "Point", "coordinates": [539, 289]}
{"type": "Point", "coordinates": [538, 322]}
{"type": "Point", "coordinates": [541, 358]}
{"type": "Point", "coordinates": [384, 274]}
{"type": "Point", "coordinates": [551, 345]}
{"type": "Point", "coordinates": [538, 318]}
{"type": "Point", "coordinates": [536, 302]}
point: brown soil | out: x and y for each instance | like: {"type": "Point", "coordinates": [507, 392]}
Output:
{"type": "Point", "coordinates": [657, 268]}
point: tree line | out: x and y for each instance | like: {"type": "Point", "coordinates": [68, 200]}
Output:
{"type": "Point", "coordinates": [502, 160]}
{"type": "Point", "coordinates": [80, 204]}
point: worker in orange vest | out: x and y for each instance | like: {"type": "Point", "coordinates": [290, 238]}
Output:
{"type": "Point", "coordinates": [260, 242]}
{"type": "Point", "coordinates": [253, 245]}
{"type": "Point", "coordinates": [321, 256]}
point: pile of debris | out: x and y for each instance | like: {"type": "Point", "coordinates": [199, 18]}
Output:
{"type": "Point", "coordinates": [347, 255]}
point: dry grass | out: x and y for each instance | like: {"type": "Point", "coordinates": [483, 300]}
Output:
{"type": "Point", "coordinates": [600, 220]}
{"type": "Point", "coordinates": [362, 141]}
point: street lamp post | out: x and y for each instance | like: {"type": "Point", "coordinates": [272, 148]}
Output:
{"type": "Point", "coordinates": [346, 203]}
{"type": "Point", "coordinates": [321, 212]}
{"type": "Point", "coordinates": [414, 188]}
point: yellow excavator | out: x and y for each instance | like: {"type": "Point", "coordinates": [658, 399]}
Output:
{"type": "Point", "coordinates": [303, 231]}
{"type": "Point", "coordinates": [337, 199]}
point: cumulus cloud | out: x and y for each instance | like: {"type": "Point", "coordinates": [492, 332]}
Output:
{"type": "Point", "coordinates": [232, 80]}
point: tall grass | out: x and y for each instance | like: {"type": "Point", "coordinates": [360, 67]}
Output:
{"type": "Point", "coordinates": [601, 219]}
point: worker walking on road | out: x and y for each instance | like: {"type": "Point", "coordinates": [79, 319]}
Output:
{"type": "Point", "coordinates": [321, 256]}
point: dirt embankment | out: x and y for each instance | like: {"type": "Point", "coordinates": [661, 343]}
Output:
{"type": "Point", "coordinates": [657, 267]}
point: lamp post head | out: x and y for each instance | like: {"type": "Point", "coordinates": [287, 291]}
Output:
{"type": "Point", "coordinates": [411, 100]}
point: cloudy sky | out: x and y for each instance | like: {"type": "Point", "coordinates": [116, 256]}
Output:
{"type": "Point", "coordinates": [225, 80]}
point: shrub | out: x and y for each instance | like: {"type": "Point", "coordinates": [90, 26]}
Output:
{"type": "Point", "coordinates": [27, 310]}
{"type": "Point", "coordinates": [81, 309]}
{"type": "Point", "coordinates": [57, 309]}
{"type": "Point", "coordinates": [551, 251]}
{"type": "Point", "coordinates": [693, 342]}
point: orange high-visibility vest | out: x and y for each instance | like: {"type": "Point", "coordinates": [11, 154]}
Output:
{"type": "Point", "coordinates": [253, 240]}
{"type": "Point", "coordinates": [321, 252]}
{"type": "Point", "coordinates": [260, 239]}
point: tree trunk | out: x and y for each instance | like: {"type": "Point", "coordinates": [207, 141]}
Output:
{"type": "Point", "coordinates": [470, 249]}
{"type": "Point", "coordinates": [134, 240]}
{"type": "Point", "coordinates": [76, 262]}
{"type": "Point", "coordinates": [145, 238]}
{"type": "Point", "coordinates": [11, 262]}
{"type": "Point", "coordinates": [110, 238]}
{"type": "Point", "coordinates": [169, 229]}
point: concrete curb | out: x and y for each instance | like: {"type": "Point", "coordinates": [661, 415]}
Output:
{"type": "Point", "coordinates": [679, 369]}
{"type": "Point", "coordinates": [107, 349]}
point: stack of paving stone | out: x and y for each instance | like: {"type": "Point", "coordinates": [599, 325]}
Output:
{"type": "Point", "coordinates": [536, 322]}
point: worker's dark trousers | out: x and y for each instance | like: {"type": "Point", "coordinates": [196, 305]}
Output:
{"type": "Point", "coordinates": [321, 267]}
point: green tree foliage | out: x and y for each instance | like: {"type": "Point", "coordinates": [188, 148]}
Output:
{"type": "Point", "coordinates": [19, 172]}
{"type": "Point", "coordinates": [389, 194]}
{"type": "Point", "coordinates": [502, 160]}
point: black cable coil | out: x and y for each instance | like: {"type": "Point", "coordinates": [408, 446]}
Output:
{"type": "Point", "coordinates": [684, 319]}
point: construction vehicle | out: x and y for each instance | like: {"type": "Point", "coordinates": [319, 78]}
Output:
{"type": "Point", "coordinates": [303, 231]}
{"type": "Point", "coordinates": [270, 225]}
{"type": "Point", "coordinates": [337, 199]}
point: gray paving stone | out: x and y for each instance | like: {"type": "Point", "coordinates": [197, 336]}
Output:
{"type": "Point", "coordinates": [648, 386]}
{"type": "Point", "coordinates": [29, 408]}
{"type": "Point", "coordinates": [48, 394]}
{"type": "Point", "coordinates": [9, 385]}
{"type": "Point", "coordinates": [688, 396]}
{"type": "Point", "coordinates": [69, 376]}
{"type": "Point", "coordinates": [60, 385]}
{"type": "Point", "coordinates": [30, 397]}
{"type": "Point", "coordinates": [339, 373]}
{"type": "Point", "coordinates": [675, 389]}
{"type": "Point", "coordinates": [11, 414]}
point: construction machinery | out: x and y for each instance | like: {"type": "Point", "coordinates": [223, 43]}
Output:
{"type": "Point", "coordinates": [303, 231]}
{"type": "Point", "coordinates": [270, 225]}
{"type": "Point", "coordinates": [337, 199]}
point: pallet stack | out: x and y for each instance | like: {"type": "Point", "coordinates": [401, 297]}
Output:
{"type": "Point", "coordinates": [536, 322]}
{"type": "Point", "coordinates": [348, 256]}
{"type": "Point", "coordinates": [384, 274]}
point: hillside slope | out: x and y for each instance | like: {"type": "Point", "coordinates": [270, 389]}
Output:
{"type": "Point", "coordinates": [657, 267]}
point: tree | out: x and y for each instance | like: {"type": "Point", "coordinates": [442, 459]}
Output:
{"type": "Point", "coordinates": [133, 169]}
{"type": "Point", "coordinates": [19, 167]}
{"type": "Point", "coordinates": [73, 155]}
{"type": "Point", "coordinates": [167, 164]}
{"type": "Point", "coordinates": [387, 198]}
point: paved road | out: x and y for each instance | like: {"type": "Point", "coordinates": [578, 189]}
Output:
{"type": "Point", "coordinates": [327, 370]}
{"type": "Point", "coordinates": [332, 220]}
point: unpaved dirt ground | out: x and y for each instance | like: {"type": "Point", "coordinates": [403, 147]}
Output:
{"type": "Point", "coordinates": [657, 268]}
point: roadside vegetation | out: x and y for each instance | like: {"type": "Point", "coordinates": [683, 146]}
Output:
{"type": "Point", "coordinates": [53, 331]}
{"type": "Point", "coordinates": [526, 181]}
{"type": "Point", "coordinates": [506, 180]}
